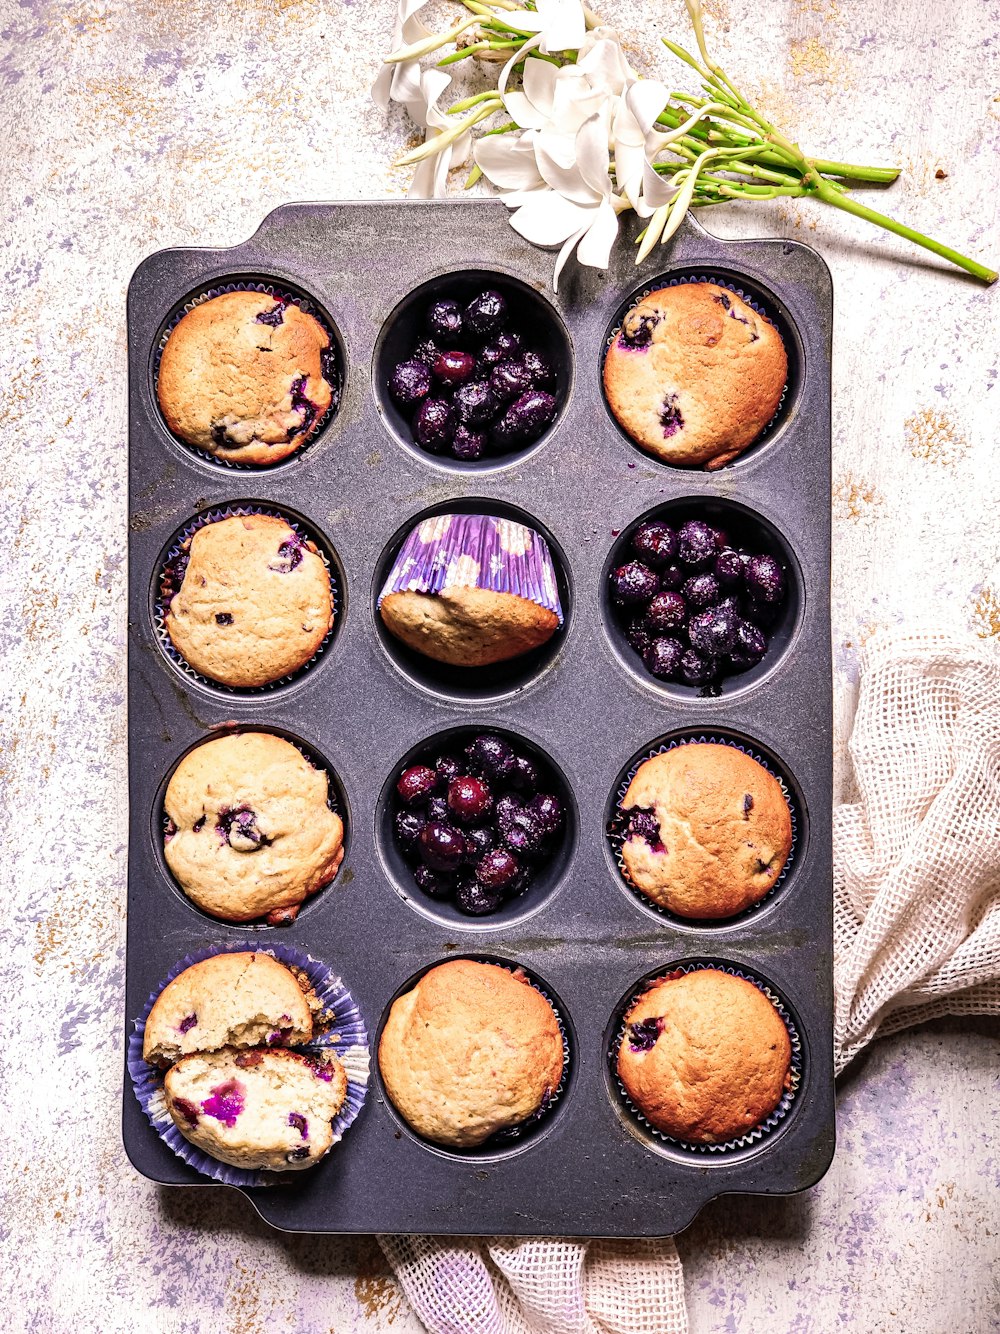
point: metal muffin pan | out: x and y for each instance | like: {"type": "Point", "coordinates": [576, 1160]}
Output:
{"type": "Point", "coordinates": [586, 1169]}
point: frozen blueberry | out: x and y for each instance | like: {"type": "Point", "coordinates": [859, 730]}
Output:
{"type": "Point", "coordinates": [701, 590]}
{"type": "Point", "coordinates": [663, 657]}
{"type": "Point", "coordinates": [477, 899]}
{"type": "Point", "coordinates": [548, 809]}
{"type": "Point", "coordinates": [721, 539]}
{"type": "Point", "coordinates": [441, 847]}
{"type": "Point", "coordinates": [733, 603]}
{"type": "Point", "coordinates": [666, 612]}
{"type": "Point", "coordinates": [728, 567]}
{"type": "Point", "coordinates": [639, 635]}
{"type": "Point", "coordinates": [541, 370]}
{"type": "Point", "coordinates": [485, 314]}
{"type": "Point", "coordinates": [444, 322]}
{"type": "Point", "coordinates": [508, 808]}
{"type": "Point", "coordinates": [696, 669]}
{"type": "Point", "coordinates": [408, 825]}
{"type": "Point", "coordinates": [426, 351]}
{"type": "Point", "coordinates": [524, 776]}
{"type": "Point", "coordinates": [765, 579]}
{"type": "Point", "coordinates": [433, 883]}
{"type": "Point", "coordinates": [498, 869]}
{"type": "Point", "coordinates": [434, 424]}
{"type": "Point", "coordinates": [479, 840]}
{"type": "Point", "coordinates": [452, 367]}
{"type": "Point", "coordinates": [672, 577]}
{"type": "Point", "coordinates": [469, 799]}
{"type": "Point", "coordinates": [713, 632]}
{"type": "Point", "coordinates": [510, 378]}
{"type": "Point", "coordinates": [655, 544]}
{"type": "Point", "coordinates": [507, 343]}
{"type": "Point", "coordinates": [437, 809]}
{"type": "Point", "coordinates": [695, 543]}
{"type": "Point", "coordinates": [527, 834]}
{"type": "Point", "coordinates": [633, 583]}
{"type": "Point", "coordinates": [490, 355]}
{"type": "Point", "coordinates": [447, 767]}
{"type": "Point", "coordinates": [474, 403]}
{"type": "Point", "coordinates": [409, 383]}
{"type": "Point", "coordinates": [749, 647]}
{"type": "Point", "coordinates": [416, 784]}
{"type": "Point", "coordinates": [490, 756]}
{"type": "Point", "coordinates": [469, 445]}
{"type": "Point", "coordinates": [525, 419]}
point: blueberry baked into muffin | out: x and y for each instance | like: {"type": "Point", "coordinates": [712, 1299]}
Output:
{"type": "Point", "coordinates": [706, 830]}
{"type": "Point", "coordinates": [475, 385]}
{"type": "Point", "coordinates": [471, 1051]}
{"type": "Point", "coordinates": [705, 1056]}
{"type": "Point", "coordinates": [695, 374]}
{"type": "Point", "coordinates": [250, 832]}
{"type": "Point", "coordinates": [247, 377]}
{"type": "Point", "coordinates": [471, 590]}
{"type": "Point", "coordinates": [225, 1030]}
{"type": "Point", "coordinates": [248, 601]}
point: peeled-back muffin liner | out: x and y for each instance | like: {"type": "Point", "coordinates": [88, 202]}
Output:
{"type": "Point", "coordinates": [770, 1122]}
{"type": "Point", "coordinates": [174, 563]}
{"type": "Point", "coordinates": [329, 361]}
{"type": "Point", "coordinates": [313, 758]}
{"type": "Point", "coordinates": [344, 1034]}
{"type": "Point", "coordinates": [616, 836]}
{"type": "Point", "coordinates": [512, 1136]}
{"type": "Point", "coordinates": [754, 302]}
{"type": "Point", "coordinates": [475, 551]}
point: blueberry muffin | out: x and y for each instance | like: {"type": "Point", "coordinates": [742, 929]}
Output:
{"type": "Point", "coordinates": [705, 1056]}
{"type": "Point", "coordinates": [250, 833]}
{"type": "Point", "coordinates": [257, 1109]}
{"type": "Point", "coordinates": [246, 376]}
{"type": "Point", "coordinates": [471, 590]}
{"type": "Point", "coordinates": [472, 1050]}
{"type": "Point", "coordinates": [707, 830]}
{"type": "Point", "coordinates": [695, 374]}
{"type": "Point", "coordinates": [254, 601]}
{"type": "Point", "coordinates": [229, 1000]}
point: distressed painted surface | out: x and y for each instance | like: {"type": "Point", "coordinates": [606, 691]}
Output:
{"type": "Point", "coordinates": [129, 127]}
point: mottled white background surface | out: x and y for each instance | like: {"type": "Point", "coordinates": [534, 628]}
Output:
{"type": "Point", "coordinates": [129, 126]}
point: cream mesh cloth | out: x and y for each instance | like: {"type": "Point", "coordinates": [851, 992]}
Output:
{"type": "Point", "coordinates": [917, 935]}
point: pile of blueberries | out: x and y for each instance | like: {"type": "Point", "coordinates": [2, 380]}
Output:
{"type": "Point", "coordinates": [695, 607]}
{"type": "Point", "coordinates": [476, 826]}
{"type": "Point", "coordinates": [471, 387]}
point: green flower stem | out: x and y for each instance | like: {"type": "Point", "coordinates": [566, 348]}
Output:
{"type": "Point", "coordinates": [469, 102]}
{"type": "Point", "coordinates": [850, 205]}
{"type": "Point", "coordinates": [883, 175]}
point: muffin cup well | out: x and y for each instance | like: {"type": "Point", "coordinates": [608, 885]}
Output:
{"type": "Point", "coordinates": [544, 330]}
{"type": "Point", "coordinates": [767, 307]}
{"type": "Point", "coordinates": [336, 800]}
{"type": "Point", "coordinates": [344, 1034]}
{"type": "Point", "coordinates": [616, 821]}
{"type": "Point", "coordinates": [333, 362]}
{"type": "Point", "coordinates": [473, 685]}
{"type": "Point", "coordinates": [753, 1137]}
{"type": "Point", "coordinates": [746, 527]}
{"type": "Point", "coordinates": [517, 1137]}
{"type": "Point", "coordinates": [550, 874]}
{"type": "Point", "coordinates": [169, 575]}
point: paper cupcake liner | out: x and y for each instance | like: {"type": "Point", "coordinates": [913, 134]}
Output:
{"type": "Point", "coordinates": [751, 299]}
{"type": "Point", "coordinates": [170, 574]}
{"type": "Point", "coordinates": [330, 363]}
{"type": "Point", "coordinates": [475, 551]}
{"type": "Point", "coordinates": [344, 1034]}
{"type": "Point", "coordinates": [513, 1135]}
{"type": "Point", "coordinates": [617, 838]}
{"type": "Point", "coordinates": [771, 1122]}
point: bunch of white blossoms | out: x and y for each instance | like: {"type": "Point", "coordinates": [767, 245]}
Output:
{"type": "Point", "coordinates": [582, 138]}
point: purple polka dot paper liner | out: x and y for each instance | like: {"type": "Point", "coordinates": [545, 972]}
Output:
{"type": "Point", "coordinates": [770, 1123]}
{"type": "Point", "coordinates": [330, 363]}
{"type": "Point", "coordinates": [751, 299]}
{"type": "Point", "coordinates": [616, 837]}
{"type": "Point", "coordinates": [170, 573]}
{"type": "Point", "coordinates": [345, 1035]}
{"type": "Point", "coordinates": [475, 551]}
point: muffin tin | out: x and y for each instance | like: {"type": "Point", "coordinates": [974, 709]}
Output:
{"type": "Point", "coordinates": [588, 1168]}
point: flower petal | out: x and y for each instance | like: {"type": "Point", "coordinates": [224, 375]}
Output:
{"type": "Point", "coordinates": [547, 219]}
{"type": "Point", "coordinates": [564, 255]}
{"type": "Point", "coordinates": [592, 157]}
{"type": "Point", "coordinates": [562, 23]}
{"type": "Point", "coordinates": [556, 157]}
{"type": "Point", "coordinates": [595, 248]}
{"type": "Point", "coordinates": [508, 161]}
{"type": "Point", "coordinates": [539, 81]}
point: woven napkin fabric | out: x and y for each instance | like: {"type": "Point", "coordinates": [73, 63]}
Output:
{"type": "Point", "coordinates": [916, 936]}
